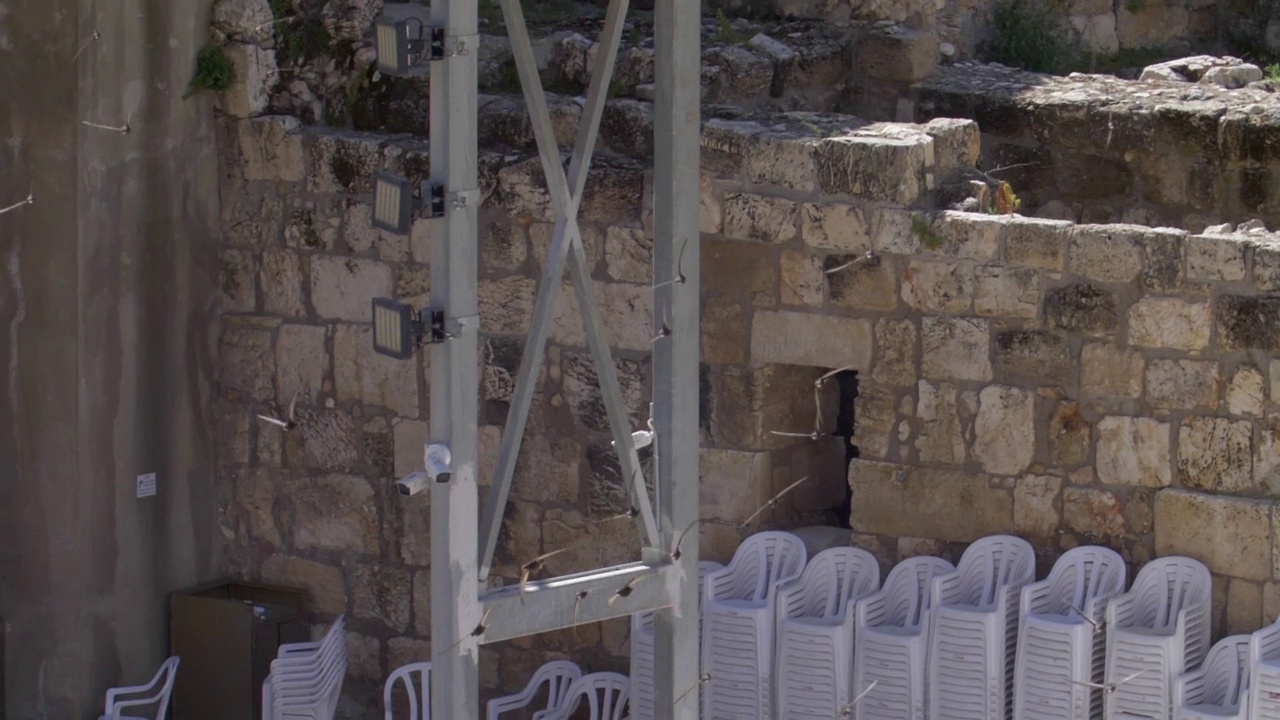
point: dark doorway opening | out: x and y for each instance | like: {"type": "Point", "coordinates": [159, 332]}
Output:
{"type": "Point", "coordinates": [846, 422]}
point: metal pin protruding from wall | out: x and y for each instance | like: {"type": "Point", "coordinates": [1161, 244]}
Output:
{"type": "Point", "coordinates": [123, 129]}
{"type": "Point", "coordinates": [85, 45]}
{"type": "Point", "coordinates": [31, 199]}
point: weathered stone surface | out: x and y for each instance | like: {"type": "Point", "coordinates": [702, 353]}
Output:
{"type": "Point", "coordinates": [734, 484]}
{"type": "Point", "coordinates": [271, 148]}
{"type": "Point", "coordinates": [1092, 512]}
{"type": "Point", "coordinates": [956, 143]}
{"type": "Point", "coordinates": [887, 164]}
{"type": "Point", "coordinates": [724, 331]}
{"type": "Point", "coordinates": [895, 352]}
{"type": "Point", "coordinates": [580, 386]}
{"type": "Point", "coordinates": [364, 655]}
{"type": "Point", "coordinates": [381, 593]}
{"type": "Point", "coordinates": [955, 349]}
{"type": "Point", "coordinates": [238, 281]}
{"type": "Point", "coordinates": [941, 438]}
{"type": "Point", "coordinates": [1106, 253]}
{"type": "Point", "coordinates": [242, 18]}
{"type": "Point", "coordinates": [1004, 430]}
{"type": "Point", "coordinates": [800, 278]}
{"type": "Point", "coordinates": [1182, 384]}
{"type": "Point", "coordinates": [796, 338]}
{"type": "Point", "coordinates": [1230, 535]}
{"type": "Point", "coordinates": [506, 305]}
{"type": "Point", "coordinates": [628, 254]}
{"type": "Point", "coordinates": [710, 207]}
{"type": "Point", "coordinates": [246, 361]}
{"type": "Point", "coordinates": [365, 376]}
{"type": "Point", "coordinates": [1083, 308]}
{"type": "Point", "coordinates": [760, 218]}
{"type": "Point", "coordinates": [747, 405]}
{"type": "Point", "coordinates": [1110, 371]}
{"type": "Point", "coordinates": [409, 438]}
{"type": "Point", "coordinates": [328, 593]}
{"type": "Point", "coordinates": [1070, 435]}
{"type": "Point", "coordinates": [255, 494]}
{"type": "Point", "coordinates": [503, 247]}
{"type": "Point", "coordinates": [742, 268]}
{"type": "Point", "coordinates": [1244, 607]}
{"type": "Point", "coordinates": [835, 227]}
{"type": "Point", "coordinates": [1246, 392]}
{"type": "Point", "coordinates": [1035, 511]}
{"type": "Point", "coordinates": [281, 279]}
{"type": "Point", "coordinates": [897, 54]}
{"type": "Point", "coordinates": [951, 505]}
{"type": "Point", "coordinates": [779, 158]}
{"type": "Point", "coordinates": [342, 162]}
{"type": "Point", "coordinates": [311, 226]}
{"type": "Point", "coordinates": [1133, 451]}
{"type": "Point", "coordinates": [1170, 323]}
{"type": "Point", "coordinates": [1216, 454]}
{"type": "Point", "coordinates": [334, 512]}
{"type": "Point", "coordinates": [974, 236]}
{"type": "Point", "coordinates": [1248, 322]}
{"type": "Point", "coordinates": [1006, 292]}
{"type": "Point", "coordinates": [1034, 357]}
{"type": "Point", "coordinates": [422, 603]}
{"type": "Point", "coordinates": [857, 282]}
{"type": "Point", "coordinates": [301, 363]}
{"type": "Point", "coordinates": [938, 287]}
{"type": "Point", "coordinates": [1036, 243]}
{"type": "Point", "coordinates": [877, 411]}
{"type": "Point", "coordinates": [341, 288]}
{"type": "Point", "coordinates": [1216, 257]}
{"type": "Point", "coordinates": [255, 75]}
{"type": "Point", "coordinates": [324, 439]}
{"type": "Point", "coordinates": [404, 650]}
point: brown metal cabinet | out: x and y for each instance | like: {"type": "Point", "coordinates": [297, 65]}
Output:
{"type": "Point", "coordinates": [227, 634]}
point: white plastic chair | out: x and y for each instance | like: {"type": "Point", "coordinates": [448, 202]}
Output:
{"type": "Point", "coordinates": [557, 675]}
{"type": "Point", "coordinates": [416, 677]}
{"type": "Point", "coordinates": [738, 625]}
{"type": "Point", "coordinates": [1061, 644]}
{"type": "Point", "coordinates": [974, 634]}
{"type": "Point", "coordinates": [891, 639]}
{"type": "Point", "coordinates": [1219, 690]}
{"type": "Point", "coordinates": [1264, 673]}
{"type": "Point", "coordinates": [642, 666]}
{"type": "Point", "coordinates": [605, 693]}
{"type": "Point", "coordinates": [156, 692]}
{"type": "Point", "coordinates": [1155, 632]}
{"type": "Point", "coordinates": [813, 667]}
{"type": "Point", "coordinates": [305, 679]}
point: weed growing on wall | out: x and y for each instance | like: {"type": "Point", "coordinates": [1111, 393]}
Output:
{"type": "Point", "coordinates": [214, 71]}
{"type": "Point", "coordinates": [1028, 34]}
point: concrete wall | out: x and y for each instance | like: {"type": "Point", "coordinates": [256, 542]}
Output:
{"type": "Point", "coordinates": [106, 297]}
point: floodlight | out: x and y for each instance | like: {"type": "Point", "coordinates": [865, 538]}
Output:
{"type": "Point", "coordinates": [392, 203]}
{"type": "Point", "coordinates": [398, 329]}
{"type": "Point", "coordinates": [399, 47]}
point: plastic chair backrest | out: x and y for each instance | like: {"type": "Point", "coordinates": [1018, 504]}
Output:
{"type": "Point", "coordinates": [1227, 671]}
{"type": "Point", "coordinates": [559, 675]}
{"type": "Point", "coordinates": [419, 692]}
{"type": "Point", "coordinates": [761, 560]}
{"type": "Point", "coordinates": [607, 695]}
{"type": "Point", "coordinates": [991, 563]}
{"type": "Point", "coordinates": [1165, 586]}
{"type": "Point", "coordinates": [1083, 574]}
{"type": "Point", "coordinates": [907, 589]}
{"type": "Point", "coordinates": [831, 579]}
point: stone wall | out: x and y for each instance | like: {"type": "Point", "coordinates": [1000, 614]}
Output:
{"type": "Point", "coordinates": [1094, 148]}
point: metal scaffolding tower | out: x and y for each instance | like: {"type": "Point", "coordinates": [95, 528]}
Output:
{"type": "Point", "coordinates": [463, 614]}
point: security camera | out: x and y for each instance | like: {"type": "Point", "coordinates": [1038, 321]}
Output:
{"type": "Point", "coordinates": [413, 483]}
{"type": "Point", "coordinates": [436, 459]}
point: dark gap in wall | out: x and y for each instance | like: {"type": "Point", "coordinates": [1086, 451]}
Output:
{"type": "Point", "coordinates": [846, 421]}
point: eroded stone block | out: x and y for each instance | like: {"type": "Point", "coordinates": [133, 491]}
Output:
{"type": "Point", "coordinates": [1005, 430]}
{"type": "Point", "coordinates": [1134, 451]}
{"type": "Point", "coordinates": [955, 349]}
{"type": "Point", "coordinates": [1170, 323]}
{"type": "Point", "coordinates": [1230, 535]}
{"type": "Point", "coordinates": [1216, 454]}
{"type": "Point", "coordinates": [950, 505]}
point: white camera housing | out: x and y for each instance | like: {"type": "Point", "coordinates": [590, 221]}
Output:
{"type": "Point", "coordinates": [435, 458]}
{"type": "Point", "coordinates": [413, 483]}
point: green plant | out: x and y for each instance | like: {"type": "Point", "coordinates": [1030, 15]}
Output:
{"type": "Point", "coordinates": [922, 228]}
{"type": "Point", "coordinates": [1028, 34]}
{"type": "Point", "coordinates": [1135, 6]}
{"type": "Point", "coordinates": [727, 34]}
{"type": "Point", "coordinates": [1273, 71]}
{"type": "Point", "coordinates": [214, 71]}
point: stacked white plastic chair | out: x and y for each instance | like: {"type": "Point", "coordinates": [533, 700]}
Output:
{"type": "Point", "coordinates": [891, 637]}
{"type": "Point", "coordinates": [1155, 632]}
{"type": "Point", "coordinates": [738, 625]}
{"type": "Point", "coordinates": [416, 678]}
{"type": "Point", "coordinates": [974, 637]}
{"type": "Point", "coordinates": [1061, 644]}
{"type": "Point", "coordinates": [605, 694]}
{"type": "Point", "coordinates": [1219, 690]}
{"type": "Point", "coordinates": [642, 651]}
{"type": "Point", "coordinates": [558, 676]}
{"type": "Point", "coordinates": [813, 671]}
{"type": "Point", "coordinates": [305, 680]}
{"type": "Point", "coordinates": [155, 693]}
{"type": "Point", "coordinates": [1264, 673]}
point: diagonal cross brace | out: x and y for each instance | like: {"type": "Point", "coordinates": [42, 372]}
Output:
{"type": "Point", "coordinates": [566, 246]}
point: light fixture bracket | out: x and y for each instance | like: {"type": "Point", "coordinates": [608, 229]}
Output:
{"type": "Point", "coordinates": [434, 195]}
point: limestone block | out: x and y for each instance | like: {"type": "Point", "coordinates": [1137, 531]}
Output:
{"type": "Point", "coordinates": [1162, 253]}
{"type": "Point", "coordinates": [311, 227]}
{"type": "Point", "coordinates": [1005, 430]}
{"type": "Point", "coordinates": [506, 305]}
{"type": "Point", "coordinates": [956, 143]}
{"type": "Point", "coordinates": [734, 484]}
{"type": "Point", "coordinates": [410, 438]}
{"type": "Point", "coordinates": [974, 236]}
{"type": "Point", "coordinates": [422, 603]}
{"type": "Point", "coordinates": [941, 438]}
{"type": "Point", "coordinates": [503, 247]}
{"type": "Point", "coordinates": [1035, 508]}
{"type": "Point", "coordinates": [1006, 292]}
{"type": "Point", "coordinates": [281, 280]}
{"type": "Point", "coordinates": [1110, 371]}
{"type": "Point", "coordinates": [629, 254]}
{"type": "Point", "coordinates": [364, 656]}
{"type": "Point", "coordinates": [243, 18]}
{"type": "Point", "coordinates": [949, 505]}
{"type": "Point", "coordinates": [1033, 357]}
{"type": "Point", "coordinates": [1036, 243]}
{"type": "Point", "coordinates": [341, 288]}
{"type": "Point", "coordinates": [1244, 607]}
{"type": "Point", "coordinates": [875, 167]}
{"type": "Point", "coordinates": [361, 375]}
{"type": "Point", "coordinates": [796, 338]}
{"type": "Point", "coordinates": [580, 386]}
{"type": "Point", "coordinates": [955, 349]}
{"type": "Point", "coordinates": [334, 512]}
{"type": "Point", "coordinates": [1246, 322]}
{"type": "Point", "coordinates": [1185, 384]}
{"type": "Point", "coordinates": [742, 73]}
{"type": "Point", "coordinates": [301, 363]}
{"type": "Point", "coordinates": [542, 235]}
{"type": "Point", "coordinates": [832, 226]}
{"type": "Point", "coordinates": [1153, 25]}
{"type": "Point", "coordinates": [800, 278]}
{"type": "Point", "coordinates": [724, 331]}
{"type": "Point", "coordinates": [382, 594]}
{"type": "Point", "coordinates": [760, 218]}
{"type": "Point", "coordinates": [324, 582]}
{"type": "Point", "coordinates": [1106, 253]}
{"type": "Point", "coordinates": [271, 148]}
{"type": "Point", "coordinates": [1170, 323]}
{"type": "Point", "coordinates": [896, 231]}
{"type": "Point", "coordinates": [877, 411]}
{"type": "Point", "coordinates": [782, 158]}
{"type": "Point", "coordinates": [324, 439]}
{"type": "Point", "coordinates": [1133, 451]}
{"type": "Point", "coordinates": [898, 55]}
{"type": "Point", "coordinates": [726, 145]}
{"type": "Point", "coordinates": [522, 191]}
{"type": "Point", "coordinates": [404, 650]}
{"type": "Point", "coordinates": [255, 76]}
{"type": "Point", "coordinates": [1216, 257]}
{"type": "Point", "coordinates": [238, 282]}
{"type": "Point", "coordinates": [1216, 454]}
{"type": "Point", "coordinates": [938, 287]}
{"type": "Point", "coordinates": [1093, 512]}
{"type": "Point", "coordinates": [1230, 535]}
{"type": "Point", "coordinates": [853, 281]}
{"type": "Point", "coordinates": [817, 538]}
{"type": "Point", "coordinates": [614, 192]}
{"type": "Point", "coordinates": [231, 434]}
{"type": "Point", "coordinates": [342, 162]}
{"type": "Point", "coordinates": [710, 207]}
{"type": "Point", "coordinates": [1070, 435]}
{"type": "Point", "coordinates": [246, 360]}
{"type": "Point", "coordinates": [895, 362]}
{"type": "Point", "coordinates": [256, 493]}
{"type": "Point", "coordinates": [1097, 32]}
{"type": "Point", "coordinates": [1266, 267]}
{"type": "Point", "coordinates": [1083, 308]}
{"type": "Point", "coordinates": [748, 404]}
{"type": "Point", "coordinates": [740, 268]}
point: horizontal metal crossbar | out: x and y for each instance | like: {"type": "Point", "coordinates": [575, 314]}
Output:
{"type": "Point", "coordinates": [579, 599]}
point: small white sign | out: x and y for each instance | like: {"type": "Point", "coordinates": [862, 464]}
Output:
{"type": "Point", "coordinates": [146, 485]}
